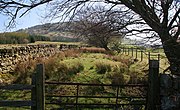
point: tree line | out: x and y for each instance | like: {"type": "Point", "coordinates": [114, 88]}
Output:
{"type": "Point", "coordinates": [20, 38]}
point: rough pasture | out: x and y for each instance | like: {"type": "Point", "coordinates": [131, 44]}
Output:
{"type": "Point", "coordinates": [11, 55]}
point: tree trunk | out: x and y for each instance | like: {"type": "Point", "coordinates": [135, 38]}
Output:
{"type": "Point", "coordinates": [106, 48]}
{"type": "Point", "coordinates": [172, 51]}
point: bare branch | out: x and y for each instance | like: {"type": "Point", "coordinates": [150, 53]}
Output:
{"type": "Point", "coordinates": [174, 18]}
{"type": "Point", "coordinates": [15, 9]}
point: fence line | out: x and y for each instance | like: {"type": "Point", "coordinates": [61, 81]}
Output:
{"type": "Point", "coordinates": [142, 53]}
{"type": "Point", "coordinates": [36, 88]}
{"type": "Point", "coordinates": [19, 103]}
{"type": "Point", "coordinates": [37, 102]}
{"type": "Point", "coordinates": [116, 104]}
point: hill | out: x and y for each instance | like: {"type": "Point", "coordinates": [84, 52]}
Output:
{"type": "Point", "coordinates": [60, 32]}
{"type": "Point", "coordinates": [55, 31]}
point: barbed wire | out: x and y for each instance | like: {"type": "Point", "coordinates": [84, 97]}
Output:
{"type": "Point", "coordinates": [144, 54]}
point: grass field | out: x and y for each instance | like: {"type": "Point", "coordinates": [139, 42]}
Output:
{"type": "Point", "coordinates": [100, 67]}
{"type": "Point", "coordinates": [68, 43]}
{"type": "Point", "coordinates": [89, 65]}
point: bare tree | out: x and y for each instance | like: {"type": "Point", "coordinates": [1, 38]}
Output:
{"type": "Point", "coordinates": [162, 17]}
{"type": "Point", "coordinates": [17, 8]}
{"type": "Point", "coordinates": [98, 25]}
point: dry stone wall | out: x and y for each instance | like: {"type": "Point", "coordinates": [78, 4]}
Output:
{"type": "Point", "coordinates": [9, 57]}
{"type": "Point", "coordinates": [170, 92]}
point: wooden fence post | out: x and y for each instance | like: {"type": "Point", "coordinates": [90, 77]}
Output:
{"type": "Point", "coordinates": [141, 55]}
{"type": "Point", "coordinates": [77, 94]}
{"type": "Point", "coordinates": [136, 53]}
{"type": "Point", "coordinates": [132, 52]}
{"type": "Point", "coordinates": [40, 88]}
{"type": "Point", "coordinates": [153, 98]}
{"type": "Point", "coordinates": [159, 57]}
{"type": "Point", "coordinates": [117, 95]}
{"type": "Point", "coordinates": [149, 56]}
{"type": "Point", "coordinates": [123, 50]}
{"type": "Point", "coordinates": [33, 92]}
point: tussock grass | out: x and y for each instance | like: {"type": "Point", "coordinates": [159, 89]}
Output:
{"type": "Point", "coordinates": [23, 71]}
{"type": "Point", "coordinates": [72, 53]}
{"type": "Point", "coordinates": [77, 66]}
{"type": "Point", "coordinates": [92, 50]}
{"type": "Point", "coordinates": [102, 67]}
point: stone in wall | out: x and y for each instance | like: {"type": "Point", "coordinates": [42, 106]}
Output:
{"type": "Point", "coordinates": [170, 92]}
{"type": "Point", "coordinates": [9, 57]}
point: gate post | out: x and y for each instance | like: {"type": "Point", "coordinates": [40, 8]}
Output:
{"type": "Point", "coordinates": [33, 92]}
{"type": "Point", "coordinates": [38, 92]}
{"type": "Point", "coordinates": [40, 88]}
{"type": "Point", "coordinates": [141, 55]}
{"type": "Point", "coordinates": [153, 98]}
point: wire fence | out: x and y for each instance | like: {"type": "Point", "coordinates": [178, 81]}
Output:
{"type": "Point", "coordinates": [144, 55]}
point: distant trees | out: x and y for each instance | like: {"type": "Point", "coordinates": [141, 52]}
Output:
{"type": "Point", "coordinates": [20, 38]}
{"type": "Point", "coordinates": [33, 38]}
{"type": "Point", "coordinates": [63, 39]}
{"type": "Point", "coordinates": [13, 38]}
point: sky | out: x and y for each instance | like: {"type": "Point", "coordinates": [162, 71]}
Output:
{"type": "Point", "coordinates": [30, 19]}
